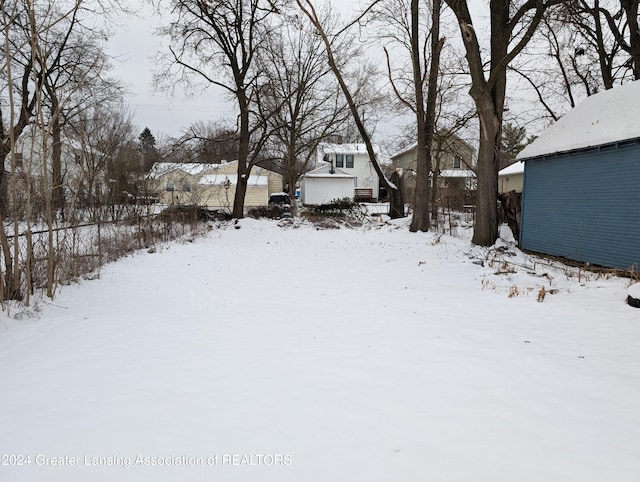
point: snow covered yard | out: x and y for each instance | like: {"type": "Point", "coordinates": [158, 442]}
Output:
{"type": "Point", "coordinates": [278, 354]}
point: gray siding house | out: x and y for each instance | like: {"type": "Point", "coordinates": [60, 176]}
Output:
{"type": "Point", "coordinates": [581, 192]}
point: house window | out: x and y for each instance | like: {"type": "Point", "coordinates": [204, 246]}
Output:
{"type": "Point", "coordinates": [350, 161]}
{"type": "Point", "coordinates": [171, 186]}
{"type": "Point", "coordinates": [186, 187]}
{"type": "Point", "coordinates": [339, 160]}
{"type": "Point", "coordinates": [457, 162]}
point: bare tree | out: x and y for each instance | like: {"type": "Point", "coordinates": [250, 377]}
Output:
{"type": "Point", "coordinates": [632, 46]}
{"type": "Point", "coordinates": [396, 205]}
{"type": "Point", "coordinates": [584, 46]}
{"type": "Point", "coordinates": [305, 105]}
{"type": "Point", "coordinates": [74, 84]}
{"type": "Point", "coordinates": [609, 28]}
{"type": "Point", "coordinates": [26, 27]}
{"type": "Point", "coordinates": [97, 136]}
{"type": "Point", "coordinates": [425, 115]}
{"type": "Point", "coordinates": [40, 75]}
{"type": "Point", "coordinates": [206, 142]}
{"type": "Point", "coordinates": [512, 26]}
{"type": "Point", "coordinates": [217, 43]}
{"type": "Point", "coordinates": [420, 219]}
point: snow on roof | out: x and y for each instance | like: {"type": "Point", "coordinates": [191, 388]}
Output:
{"type": "Point", "coordinates": [220, 179]}
{"type": "Point", "coordinates": [515, 168]}
{"type": "Point", "coordinates": [605, 117]}
{"type": "Point", "coordinates": [325, 171]}
{"type": "Point", "coordinates": [329, 175]}
{"type": "Point", "coordinates": [457, 173]}
{"type": "Point", "coordinates": [409, 148]}
{"type": "Point", "coordinates": [162, 168]}
{"type": "Point", "coordinates": [329, 148]}
{"type": "Point", "coordinates": [441, 136]}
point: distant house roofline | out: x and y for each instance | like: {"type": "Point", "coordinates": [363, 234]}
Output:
{"type": "Point", "coordinates": [447, 137]}
{"type": "Point", "coordinates": [196, 168]}
{"type": "Point", "coordinates": [325, 171]}
{"type": "Point", "coordinates": [347, 148]}
{"type": "Point", "coordinates": [516, 167]}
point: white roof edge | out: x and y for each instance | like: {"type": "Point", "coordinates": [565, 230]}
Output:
{"type": "Point", "coordinates": [515, 168]}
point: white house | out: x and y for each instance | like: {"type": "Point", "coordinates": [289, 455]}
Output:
{"type": "Point", "coordinates": [353, 160]}
{"type": "Point", "coordinates": [325, 184]}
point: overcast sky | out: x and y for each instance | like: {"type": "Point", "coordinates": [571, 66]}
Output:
{"type": "Point", "coordinates": [134, 46]}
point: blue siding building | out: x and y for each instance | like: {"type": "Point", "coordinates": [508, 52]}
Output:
{"type": "Point", "coordinates": [581, 190]}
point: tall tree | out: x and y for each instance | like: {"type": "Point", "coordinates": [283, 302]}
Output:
{"type": "Point", "coordinates": [591, 45]}
{"type": "Point", "coordinates": [98, 134]}
{"type": "Point", "coordinates": [425, 115]}
{"type": "Point", "coordinates": [632, 46]}
{"type": "Point", "coordinates": [512, 25]}
{"type": "Point", "coordinates": [305, 105]}
{"type": "Point", "coordinates": [77, 78]}
{"type": "Point", "coordinates": [205, 142]}
{"type": "Point", "coordinates": [609, 28]}
{"type": "Point", "coordinates": [26, 27]}
{"type": "Point", "coordinates": [396, 205]}
{"type": "Point", "coordinates": [147, 149]}
{"type": "Point", "coordinates": [147, 141]}
{"type": "Point", "coordinates": [217, 43]}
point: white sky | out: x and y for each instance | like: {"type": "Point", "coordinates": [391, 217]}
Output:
{"type": "Point", "coordinates": [134, 45]}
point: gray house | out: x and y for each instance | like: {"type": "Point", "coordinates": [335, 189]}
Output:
{"type": "Point", "coordinates": [581, 193]}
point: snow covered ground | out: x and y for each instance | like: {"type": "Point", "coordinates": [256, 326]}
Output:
{"type": "Point", "coordinates": [272, 353]}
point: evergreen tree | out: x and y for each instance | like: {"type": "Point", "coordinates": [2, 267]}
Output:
{"type": "Point", "coordinates": [147, 141]}
{"type": "Point", "coordinates": [514, 139]}
{"type": "Point", "coordinates": [148, 149]}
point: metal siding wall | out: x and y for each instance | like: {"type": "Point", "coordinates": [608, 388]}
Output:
{"type": "Point", "coordinates": [584, 206]}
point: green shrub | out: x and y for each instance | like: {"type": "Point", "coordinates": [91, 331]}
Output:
{"type": "Point", "coordinates": [338, 208]}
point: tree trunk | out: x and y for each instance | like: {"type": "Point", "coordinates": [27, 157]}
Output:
{"type": "Point", "coordinates": [489, 94]}
{"type": "Point", "coordinates": [485, 231]}
{"type": "Point", "coordinates": [605, 61]}
{"type": "Point", "coordinates": [244, 168]}
{"type": "Point", "coordinates": [396, 196]}
{"type": "Point", "coordinates": [10, 288]}
{"type": "Point", "coordinates": [426, 128]}
{"type": "Point", "coordinates": [434, 190]}
{"type": "Point", "coordinates": [420, 218]}
{"type": "Point", "coordinates": [396, 201]}
{"type": "Point", "coordinates": [631, 10]}
{"type": "Point", "coordinates": [238, 200]}
{"type": "Point", "coordinates": [57, 190]}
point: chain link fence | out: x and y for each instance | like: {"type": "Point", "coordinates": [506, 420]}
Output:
{"type": "Point", "coordinates": [38, 260]}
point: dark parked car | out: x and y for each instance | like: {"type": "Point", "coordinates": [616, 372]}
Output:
{"type": "Point", "coordinates": [279, 199]}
